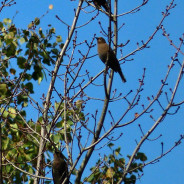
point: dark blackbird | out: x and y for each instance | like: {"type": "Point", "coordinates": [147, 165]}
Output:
{"type": "Point", "coordinates": [103, 3]}
{"type": "Point", "coordinates": [59, 168]}
{"type": "Point", "coordinates": [113, 63]}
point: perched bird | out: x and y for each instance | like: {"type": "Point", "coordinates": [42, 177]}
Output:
{"type": "Point", "coordinates": [113, 63]}
{"type": "Point", "coordinates": [103, 3]}
{"type": "Point", "coordinates": [59, 168]}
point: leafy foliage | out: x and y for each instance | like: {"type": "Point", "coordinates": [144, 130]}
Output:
{"type": "Point", "coordinates": [31, 50]}
{"type": "Point", "coordinates": [111, 168]}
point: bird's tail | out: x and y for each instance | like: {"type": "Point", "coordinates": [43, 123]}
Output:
{"type": "Point", "coordinates": [122, 76]}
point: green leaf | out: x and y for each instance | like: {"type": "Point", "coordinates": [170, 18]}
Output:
{"type": "Point", "coordinates": [41, 33]}
{"type": "Point", "coordinates": [141, 156]}
{"type": "Point", "coordinates": [91, 178]}
{"type": "Point", "coordinates": [57, 105]}
{"type": "Point", "coordinates": [37, 21]}
{"type": "Point", "coordinates": [5, 113]}
{"type": "Point", "coordinates": [10, 50]}
{"type": "Point", "coordinates": [30, 170]}
{"type": "Point", "coordinates": [9, 38]}
{"type": "Point", "coordinates": [117, 151]}
{"type": "Point", "coordinates": [26, 32]}
{"type": "Point", "coordinates": [1, 25]}
{"type": "Point", "coordinates": [14, 127]}
{"type": "Point", "coordinates": [3, 88]}
{"type": "Point", "coordinates": [7, 21]}
{"type": "Point", "coordinates": [28, 157]}
{"type": "Point", "coordinates": [22, 98]}
{"type": "Point", "coordinates": [37, 74]}
{"type": "Point", "coordinates": [59, 39]}
{"type": "Point", "coordinates": [52, 30]}
{"type": "Point", "coordinates": [110, 173]}
{"type": "Point", "coordinates": [110, 145]}
{"type": "Point", "coordinates": [70, 123]}
{"type": "Point", "coordinates": [40, 78]}
{"type": "Point", "coordinates": [55, 51]}
{"type": "Point", "coordinates": [56, 138]}
{"type": "Point", "coordinates": [5, 143]}
{"type": "Point", "coordinates": [1, 43]}
{"type": "Point", "coordinates": [22, 40]}
{"type": "Point", "coordinates": [21, 62]}
{"type": "Point", "coordinates": [59, 124]}
{"type": "Point", "coordinates": [133, 178]}
{"type": "Point", "coordinates": [122, 161]}
{"type": "Point", "coordinates": [12, 112]}
{"type": "Point", "coordinates": [8, 168]}
{"type": "Point", "coordinates": [27, 76]}
{"type": "Point", "coordinates": [29, 86]}
{"type": "Point", "coordinates": [30, 25]}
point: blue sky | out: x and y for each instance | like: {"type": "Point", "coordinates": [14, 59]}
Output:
{"type": "Point", "coordinates": [138, 26]}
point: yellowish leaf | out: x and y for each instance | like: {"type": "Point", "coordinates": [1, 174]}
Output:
{"type": "Point", "coordinates": [51, 6]}
{"type": "Point", "coordinates": [110, 173]}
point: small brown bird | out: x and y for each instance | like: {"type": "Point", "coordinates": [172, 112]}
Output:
{"type": "Point", "coordinates": [113, 63]}
{"type": "Point", "coordinates": [59, 168]}
{"type": "Point", "coordinates": [103, 3]}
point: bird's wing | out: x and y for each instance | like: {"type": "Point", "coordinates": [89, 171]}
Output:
{"type": "Point", "coordinates": [113, 62]}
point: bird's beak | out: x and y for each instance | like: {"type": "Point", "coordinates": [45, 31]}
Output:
{"type": "Point", "coordinates": [96, 38]}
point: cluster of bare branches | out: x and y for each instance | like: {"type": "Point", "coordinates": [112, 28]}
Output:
{"type": "Point", "coordinates": [72, 88]}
